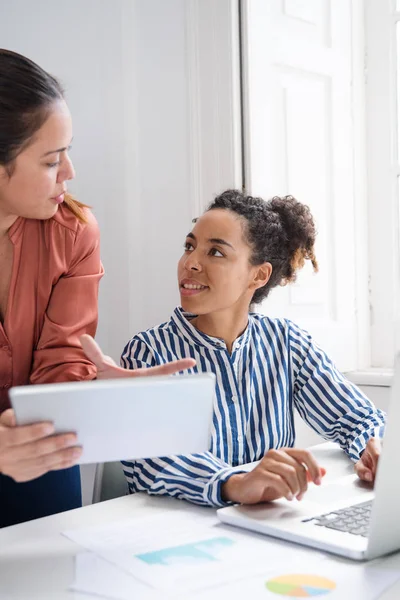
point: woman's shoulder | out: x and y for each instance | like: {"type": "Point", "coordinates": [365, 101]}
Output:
{"type": "Point", "coordinates": [69, 220]}
{"type": "Point", "coordinates": [279, 325]}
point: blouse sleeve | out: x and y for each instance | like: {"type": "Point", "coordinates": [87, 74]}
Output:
{"type": "Point", "coordinates": [333, 406]}
{"type": "Point", "coordinates": [197, 478]}
{"type": "Point", "coordinates": [71, 312]}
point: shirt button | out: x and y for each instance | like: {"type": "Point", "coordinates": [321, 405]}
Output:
{"type": "Point", "coordinates": [7, 386]}
{"type": "Point", "coordinates": [240, 438]}
{"type": "Point", "coordinates": [234, 398]}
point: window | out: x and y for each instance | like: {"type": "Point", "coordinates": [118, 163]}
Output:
{"type": "Point", "coordinates": [382, 148]}
{"type": "Point", "coordinates": [322, 103]}
{"type": "Point", "coordinates": [300, 133]}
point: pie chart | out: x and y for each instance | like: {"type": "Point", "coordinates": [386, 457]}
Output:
{"type": "Point", "coordinates": [300, 586]}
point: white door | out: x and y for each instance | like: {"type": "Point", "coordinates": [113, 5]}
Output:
{"type": "Point", "coordinates": [299, 140]}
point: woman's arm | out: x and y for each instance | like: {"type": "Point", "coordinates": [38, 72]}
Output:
{"type": "Point", "coordinates": [331, 405]}
{"type": "Point", "coordinates": [197, 478]}
{"type": "Point", "coordinates": [71, 312]}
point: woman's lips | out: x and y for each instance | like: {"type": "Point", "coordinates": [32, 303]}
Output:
{"type": "Point", "coordinates": [59, 199]}
{"type": "Point", "coordinates": [192, 291]}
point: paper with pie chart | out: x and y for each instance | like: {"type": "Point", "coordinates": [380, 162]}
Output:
{"type": "Point", "coordinates": [300, 586]}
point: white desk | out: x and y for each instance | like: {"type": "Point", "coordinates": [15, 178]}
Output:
{"type": "Point", "coordinates": [37, 562]}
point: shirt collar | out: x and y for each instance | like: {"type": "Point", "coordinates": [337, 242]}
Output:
{"type": "Point", "coordinates": [182, 321]}
{"type": "Point", "coordinates": [15, 231]}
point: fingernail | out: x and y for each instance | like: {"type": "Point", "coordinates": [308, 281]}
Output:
{"type": "Point", "coordinates": [77, 452]}
{"type": "Point", "coordinates": [299, 497]}
{"type": "Point", "coordinates": [70, 441]}
{"type": "Point", "coordinates": [290, 497]}
{"type": "Point", "coordinates": [368, 476]}
{"type": "Point", "coordinates": [318, 481]}
{"type": "Point", "coordinates": [48, 429]}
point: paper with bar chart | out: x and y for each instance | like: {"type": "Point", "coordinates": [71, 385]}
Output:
{"type": "Point", "coordinates": [174, 552]}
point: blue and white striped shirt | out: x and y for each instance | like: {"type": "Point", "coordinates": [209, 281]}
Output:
{"type": "Point", "coordinates": [274, 368]}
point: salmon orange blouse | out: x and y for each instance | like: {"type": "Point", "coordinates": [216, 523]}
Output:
{"type": "Point", "coordinates": [52, 301]}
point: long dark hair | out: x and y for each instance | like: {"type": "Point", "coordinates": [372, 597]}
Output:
{"type": "Point", "coordinates": [27, 93]}
{"type": "Point", "coordinates": [280, 231]}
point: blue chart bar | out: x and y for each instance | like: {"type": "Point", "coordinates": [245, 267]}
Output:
{"type": "Point", "coordinates": [194, 553]}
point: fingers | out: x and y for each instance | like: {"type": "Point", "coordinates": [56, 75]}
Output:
{"type": "Point", "coordinates": [281, 473]}
{"type": "Point", "coordinates": [28, 461]}
{"type": "Point", "coordinates": [24, 434]}
{"type": "Point", "coordinates": [168, 369]}
{"type": "Point", "coordinates": [259, 485]}
{"type": "Point", "coordinates": [274, 487]}
{"type": "Point", "coordinates": [296, 467]}
{"type": "Point", "coordinates": [373, 450]}
{"type": "Point", "coordinates": [35, 467]}
{"type": "Point", "coordinates": [7, 418]}
{"type": "Point", "coordinates": [364, 472]}
{"type": "Point", "coordinates": [288, 469]}
{"type": "Point", "coordinates": [367, 466]}
{"type": "Point", "coordinates": [305, 458]}
{"type": "Point", "coordinates": [44, 447]}
{"type": "Point", "coordinates": [92, 350]}
{"type": "Point", "coordinates": [107, 369]}
{"type": "Point", "coordinates": [322, 472]}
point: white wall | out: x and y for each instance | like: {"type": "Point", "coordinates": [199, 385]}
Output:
{"type": "Point", "coordinates": [149, 85]}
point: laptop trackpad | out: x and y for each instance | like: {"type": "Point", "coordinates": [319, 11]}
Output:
{"type": "Point", "coordinates": [341, 490]}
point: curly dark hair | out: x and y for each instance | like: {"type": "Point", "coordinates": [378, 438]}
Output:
{"type": "Point", "coordinates": [280, 231]}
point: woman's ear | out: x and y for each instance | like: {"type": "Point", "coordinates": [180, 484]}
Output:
{"type": "Point", "coordinates": [262, 275]}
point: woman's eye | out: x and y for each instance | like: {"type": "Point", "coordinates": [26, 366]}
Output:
{"type": "Point", "coordinates": [53, 164]}
{"type": "Point", "coordinates": [188, 247]}
{"type": "Point", "coordinates": [215, 252]}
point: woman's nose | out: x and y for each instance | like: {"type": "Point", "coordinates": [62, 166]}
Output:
{"type": "Point", "coordinates": [67, 172]}
{"type": "Point", "coordinates": [192, 262]}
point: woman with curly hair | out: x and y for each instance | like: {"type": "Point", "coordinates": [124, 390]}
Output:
{"type": "Point", "coordinates": [237, 252]}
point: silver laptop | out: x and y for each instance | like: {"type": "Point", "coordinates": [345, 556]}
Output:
{"type": "Point", "coordinates": [125, 418]}
{"type": "Point", "coordinates": [345, 517]}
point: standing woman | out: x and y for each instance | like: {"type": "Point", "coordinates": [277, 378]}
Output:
{"type": "Point", "coordinates": [49, 275]}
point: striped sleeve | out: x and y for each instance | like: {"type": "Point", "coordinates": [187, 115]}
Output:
{"type": "Point", "coordinates": [197, 478]}
{"type": "Point", "coordinates": [333, 406]}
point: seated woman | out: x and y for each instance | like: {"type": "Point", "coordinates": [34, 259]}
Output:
{"type": "Point", "coordinates": [236, 253]}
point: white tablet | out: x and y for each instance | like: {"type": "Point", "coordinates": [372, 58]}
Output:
{"type": "Point", "coordinates": [125, 418]}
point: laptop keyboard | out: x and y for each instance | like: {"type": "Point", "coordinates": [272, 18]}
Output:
{"type": "Point", "coordinates": [353, 519]}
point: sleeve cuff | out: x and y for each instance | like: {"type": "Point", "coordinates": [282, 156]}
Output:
{"type": "Point", "coordinates": [213, 489]}
{"type": "Point", "coordinates": [359, 443]}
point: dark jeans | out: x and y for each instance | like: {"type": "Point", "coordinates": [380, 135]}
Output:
{"type": "Point", "coordinates": [52, 493]}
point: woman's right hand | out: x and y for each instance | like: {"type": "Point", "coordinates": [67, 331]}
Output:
{"type": "Point", "coordinates": [27, 451]}
{"type": "Point", "coordinates": [282, 473]}
{"type": "Point", "coordinates": [107, 369]}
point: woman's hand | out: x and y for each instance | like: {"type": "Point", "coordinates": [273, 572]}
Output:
{"type": "Point", "coordinates": [367, 465]}
{"type": "Point", "coordinates": [26, 452]}
{"type": "Point", "coordinates": [283, 473]}
{"type": "Point", "coordinates": [107, 369]}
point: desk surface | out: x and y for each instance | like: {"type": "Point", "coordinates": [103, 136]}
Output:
{"type": "Point", "coordinates": [36, 561]}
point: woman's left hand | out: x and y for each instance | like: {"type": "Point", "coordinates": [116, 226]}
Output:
{"type": "Point", "coordinates": [367, 465]}
{"type": "Point", "coordinates": [108, 369]}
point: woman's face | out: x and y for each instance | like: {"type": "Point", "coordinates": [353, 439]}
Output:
{"type": "Point", "coordinates": [215, 273]}
{"type": "Point", "coordinates": [40, 172]}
